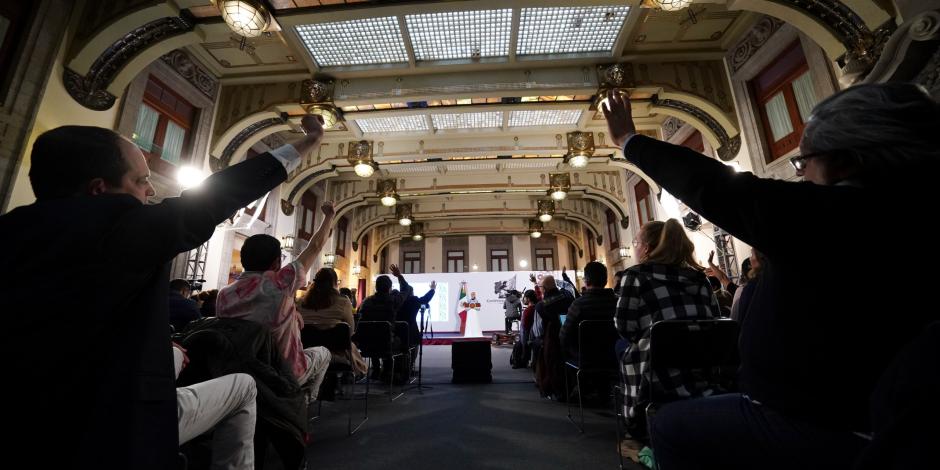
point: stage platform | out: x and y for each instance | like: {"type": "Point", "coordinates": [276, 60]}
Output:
{"type": "Point", "coordinates": [495, 337]}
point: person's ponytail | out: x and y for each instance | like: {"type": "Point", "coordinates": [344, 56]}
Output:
{"type": "Point", "coordinates": [674, 247]}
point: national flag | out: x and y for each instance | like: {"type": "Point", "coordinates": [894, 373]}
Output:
{"type": "Point", "coordinates": [462, 299]}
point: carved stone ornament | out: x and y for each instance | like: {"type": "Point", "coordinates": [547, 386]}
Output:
{"type": "Point", "coordinates": [91, 90]}
{"type": "Point", "coordinates": [286, 207]}
{"type": "Point", "coordinates": [360, 150]}
{"type": "Point", "coordinates": [618, 76]}
{"type": "Point", "coordinates": [671, 125]}
{"type": "Point", "coordinates": [355, 246]}
{"type": "Point", "coordinates": [600, 240]}
{"type": "Point", "coordinates": [756, 38]}
{"type": "Point", "coordinates": [625, 222]}
{"type": "Point", "coordinates": [192, 72]}
{"type": "Point", "coordinates": [315, 91]}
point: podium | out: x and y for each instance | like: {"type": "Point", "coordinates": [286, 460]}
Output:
{"type": "Point", "coordinates": [471, 361]}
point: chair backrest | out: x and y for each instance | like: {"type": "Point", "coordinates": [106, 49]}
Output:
{"type": "Point", "coordinates": [374, 338]}
{"type": "Point", "coordinates": [335, 338]}
{"type": "Point", "coordinates": [694, 344]}
{"type": "Point", "coordinates": [596, 341]}
{"type": "Point", "coordinates": [403, 332]}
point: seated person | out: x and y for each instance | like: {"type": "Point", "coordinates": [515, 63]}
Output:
{"type": "Point", "coordinates": [596, 302]}
{"type": "Point", "coordinates": [182, 309]}
{"type": "Point", "coordinates": [381, 306]}
{"type": "Point", "coordinates": [226, 406]}
{"type": "Point", "coordinates": [264, 293]}
{"type": "Point", "coordinates": [668, 284]}
{"type": "Point", "coordinates": [323, 307]}
{"type": "Point", "coordinates": [408, 312]}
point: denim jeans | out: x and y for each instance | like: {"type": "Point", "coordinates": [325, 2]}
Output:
{"type": "Point", "coordinates": [733, 432]}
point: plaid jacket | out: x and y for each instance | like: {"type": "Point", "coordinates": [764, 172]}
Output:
{"type": "Point", "coordinates": [650, 293]}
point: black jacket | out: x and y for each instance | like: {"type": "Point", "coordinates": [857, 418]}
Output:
{"type": "Point", "coordinates": [86, 322]}
{"type": "Point", "coordinates": [182, 311]}
{"type": "Point", "coordinates": [594, 304]}
{"type": "Point", "coordinates": [408, 312]}
{"type": "Point", "coordinates": [814, 341]}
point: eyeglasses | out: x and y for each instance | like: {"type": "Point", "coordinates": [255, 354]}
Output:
{"type": "Point", "coordinates": [799, 161]}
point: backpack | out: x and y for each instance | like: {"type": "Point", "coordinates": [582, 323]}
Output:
{"type": "Point", "coordinates": [517, 358]}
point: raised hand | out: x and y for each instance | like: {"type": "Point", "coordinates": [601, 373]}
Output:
{"type": "Point", "coordinates": [328, 208]}
{"type": "Point", "coordinates": [312, 125]}
{"type": "Point", "coordinates": [433, 285]}
{"type": "Point", "coordinates": [619, 117]}
{"type": "Point", "coordinates": [394, 270]}
{"type": "Point", "coordinates": [532, 277]}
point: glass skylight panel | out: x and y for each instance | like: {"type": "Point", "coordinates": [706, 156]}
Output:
{"type": "Point", "coordinates": [481, 120]}
{"type": "Point", "coordinates": [357, 42]}
{"type": "Point", "coordinates": [569, 29]}
{"type": "Point", "coordinates": [413, 123]}
{"type": "Point", "coordinates": [547, 117]}
{"type": "Point", "coordinates": [460, 34]}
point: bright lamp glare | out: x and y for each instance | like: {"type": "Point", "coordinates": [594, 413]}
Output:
{"type": "Point", "coordinates": [364, 170]}
{"type": "Point", "coordinates": [559, 195]}
{"type": "Point", "coordinates": [417, 237]}
{"type": "Point", "coordinates": [189, 177]}
{"type": "Point", "coordinates": [524, 263]}
{"type": "Point", "coordinates": [535, 235]}
{"type": "Point", "coordinates": [545, 217]}
{"type": "Point", "coordinates": [405, 222]}
{"type": "Point", "coordinates": [578, 161]}
{"type": "Point", "coordinates": [389, 201]}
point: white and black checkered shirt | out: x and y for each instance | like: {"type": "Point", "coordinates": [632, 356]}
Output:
{"type": "Point", "coordinates": [649, 293]}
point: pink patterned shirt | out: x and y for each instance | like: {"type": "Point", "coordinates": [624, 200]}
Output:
{"type": "Point", "coordinates": [268, 298]}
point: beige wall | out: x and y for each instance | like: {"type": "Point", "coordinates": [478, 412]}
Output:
{"type": "Point", "coordinates": [57, 108]}
{"type": "Point", "coordinates": [477, 253]}
{"type": "Point", "coordinates": [433, 259]}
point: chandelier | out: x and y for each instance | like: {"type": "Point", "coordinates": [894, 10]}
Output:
{"type": "Point", "coordinates": [387, 193]}
{"type": "Point", "coordinates": [546, 210]}
{"type": "Point", "coordinates": [360, 156]}
{"type": "Point", "coordinates": [580, 148]}
{"type": "Point", "coordinates": [403, 214]}
{"type": "Point", "coordinates": [535, 228]}
{"type": "Point", "coordinates": [558, 185]}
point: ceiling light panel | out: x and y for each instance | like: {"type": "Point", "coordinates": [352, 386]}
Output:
{"type": "Point", "coordinates": [358, 42]}
{"type": "Point", "coordinates": [569, 29]}
{"type": "Point", "coordinates": [460, 34]}
{"type": "Point", "coordinates": [482, 120]}
{"type": "Point", "coordinates": [548, 117]}
{"type": "Point", "coordinates": [394, 124]}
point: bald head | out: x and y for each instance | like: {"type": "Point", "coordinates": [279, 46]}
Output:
{"type": "Point", "coordinates": [548, 282]}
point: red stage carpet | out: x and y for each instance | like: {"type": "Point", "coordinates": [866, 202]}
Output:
{"type": "Point", "coordinates": [492, 336]}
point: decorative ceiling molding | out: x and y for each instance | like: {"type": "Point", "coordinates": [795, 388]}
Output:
{"type": "Point", "coordinates": [189, 69]}
{"type": "Point", "coordinates": [90, 90]}
{"type": "Point", "coordinates": [755, 39]}
{"type": "Point", "coordinates": [244, 135]}
{"type": "Point", "coordinates": [729, 146]}
{"type": "Point", "coordinates": [671, 125]}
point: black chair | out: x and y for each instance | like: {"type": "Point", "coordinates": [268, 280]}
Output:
{"type": "Point", "coordinates": [403, 332]}
{"type": "Point", "coordinates": [596, 339]}
{"type": "Point", "coordinates": [337, 340]}
{"type": "Point", "coordinates": [707, 346]}
{"type": "Point", "coordinates": [376, 341]}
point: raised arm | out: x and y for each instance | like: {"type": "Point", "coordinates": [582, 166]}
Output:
{"type": "Point", "coordinates": [309, 254]}
{"type": "Point", "coordinates": [429, 295]}
{"type": "Point", "coordinates": [753, 209]}
{"type": "Point", "coordinates": [159, 232]}
{"type": "Point", "coordinates": [402, 283]}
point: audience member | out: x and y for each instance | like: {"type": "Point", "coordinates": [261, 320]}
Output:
{"type": "Point", "coordinates": [813, 343]}
{"type": "Point", "coordinates": [182, 309]}
{"type": "Point", "coordinates": [742, 296]}
{"type": "Point", "coordinates": [323, 307]}
{"type": "Point", "coordinates": [264, 293]}
{"type": "Point", "coordinates": [108, 256]}
{"type": "Point", "coordinates": [529, 299]}
{"type": "Point", "coordinates": [597, 302]}
{"type": "Point", "coordinates": [208, 302]}
{"type": "Point", "coordinates": [381, 306]}
{"type": "Point", "coordinates": [226, 406]}
{"type": "Point", "coordinates": [549, 368]}
{"type": "Point", "coordinates": [667, 284]}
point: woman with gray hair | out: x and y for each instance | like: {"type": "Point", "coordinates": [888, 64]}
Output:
{"type": "Point", "coordinates": [815, 341]}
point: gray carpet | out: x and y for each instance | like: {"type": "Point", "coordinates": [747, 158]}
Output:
{"type": "Point", "coordinates": [504, 425]}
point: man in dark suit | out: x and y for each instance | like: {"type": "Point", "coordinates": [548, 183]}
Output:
{"type": "Point", "coordinates": [91, 358]}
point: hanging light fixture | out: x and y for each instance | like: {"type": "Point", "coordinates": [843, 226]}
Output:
{"type": "Point", "coordinates": [670, 5]}
{"type": "Point", "coordinates": [387, 192]}
{"type": "Point", "coordinates": [360, 156]}
{"type": "Point", "coordinates": [546, 210]}
{"type": "Point", "coordinates": [403, 214]}
{"type": "Point", "coordinates": [316, 97]}
{"type": "Point", "coordinates": [558, 185]}
{"type": "Point", "coordinates": [417, 232]}
{"type": "Point", "coordinates": [328, 260]}
{"type": "Point", "coordinates": [535, 228]}
{"type": "Point", "coordinates": [624, 252]}
{"type": "Point", "coordinates": [580, 148]}
{"type": "Point", "coordinates": [247, 18]}
{"type": "Point", "coordinates": [287, 243]}
{"type": "Point", "coordinates": [357, 270]}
